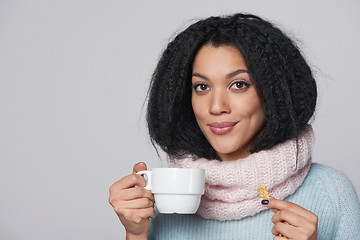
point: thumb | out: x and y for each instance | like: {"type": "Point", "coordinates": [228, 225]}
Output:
{"type": "Point", "coordinates": [141, 166]}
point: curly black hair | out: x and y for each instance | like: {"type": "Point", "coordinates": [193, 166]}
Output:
{"type": "Point", "coordinates": [282, 78]}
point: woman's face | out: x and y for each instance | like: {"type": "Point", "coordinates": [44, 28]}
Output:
{"type": "Point", "coordinates": [225, 102]}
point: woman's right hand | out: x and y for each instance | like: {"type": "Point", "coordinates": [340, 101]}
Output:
{"type": "Point", "coordinates": [133, 205]}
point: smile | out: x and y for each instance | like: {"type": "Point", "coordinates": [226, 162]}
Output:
{"type": "Point", "coordinates": [222, 128]}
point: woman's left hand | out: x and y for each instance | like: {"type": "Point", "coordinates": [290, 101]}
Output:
{"type": "Point", "coordinates": [292, 221]}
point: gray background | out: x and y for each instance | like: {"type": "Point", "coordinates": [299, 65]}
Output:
{"type": "Point", "coordinates": [73, 79]}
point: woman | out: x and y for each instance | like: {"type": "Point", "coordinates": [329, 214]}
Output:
{"type": "Point", "coordinates": [234, 95]}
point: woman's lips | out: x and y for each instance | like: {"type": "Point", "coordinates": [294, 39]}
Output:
{"type": "Point", "coordinates": [222, 128]}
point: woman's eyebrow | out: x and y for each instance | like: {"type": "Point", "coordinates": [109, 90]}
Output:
{"type": "Point", "coordinates": [232, 74]}
{"type": "Point", "coordinates": [229, 75]}
{"type": "Point", "coordinates": [199, 75]}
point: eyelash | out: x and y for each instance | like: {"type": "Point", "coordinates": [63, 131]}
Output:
{"type": "Point", "coordinates": [244, 85]}
{"type": "Point", "coordinates": [196, 86]}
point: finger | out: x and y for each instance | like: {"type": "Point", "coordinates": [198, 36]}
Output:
{"type": "Point", "coordinates": [274, 210]}
{"type": "Point", "coordinates": [138, 203]}
{"type": "Point", "coordinates": [289, 217]}
{"type": "Point", "coordinates": [279, 238]}
{"type": "Point", "coordinates": [138, 192]}
{"type": "Point", "coordinates": [128, 182]}
{"type": "Point", "coordinates": [141, 166]}
{"type": "Point", "coordinates": [284, 229]}
{"type": "Point", "coordinates": [282, 204]}
{"type": "Point", "coordinates": [146, 212]}
{"type": "Point", "coordinates": [138, 215]}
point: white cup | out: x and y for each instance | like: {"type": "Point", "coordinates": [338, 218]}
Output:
{"type": "Point", "coordinates": [176, 190]}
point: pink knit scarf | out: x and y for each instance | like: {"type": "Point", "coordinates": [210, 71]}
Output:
{"type": "Point", "coordinates": [231, 186]}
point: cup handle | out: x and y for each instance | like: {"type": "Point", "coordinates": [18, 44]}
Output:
{"type": "Point", "coordinates": [148, 176]}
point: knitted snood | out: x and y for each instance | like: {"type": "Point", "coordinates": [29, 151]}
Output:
{"type": "Point", "coordinates": [231, 186]}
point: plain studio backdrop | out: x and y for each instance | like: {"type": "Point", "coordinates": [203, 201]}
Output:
{"type": "Point", "coordinates": [73, 82]}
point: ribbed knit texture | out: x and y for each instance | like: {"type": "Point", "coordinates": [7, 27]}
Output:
{"type": "Point", "coordinates": [230, 186]}
{"type": "Point", "coordinates": [325, 191]}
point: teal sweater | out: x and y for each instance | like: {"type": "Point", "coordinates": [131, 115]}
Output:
{"type": "Point", "coordinates": [325, 192]}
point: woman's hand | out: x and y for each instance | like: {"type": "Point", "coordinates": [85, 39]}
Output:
{"type": "Point", "coordinates": [292, 221]}
{"type": "Point", "coordinates": [133, 205]}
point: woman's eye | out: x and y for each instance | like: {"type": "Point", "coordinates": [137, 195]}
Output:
{"type": "Point", "coordinates": [240, 85]}
{"type": "Point", "coordinates": [201, 87]}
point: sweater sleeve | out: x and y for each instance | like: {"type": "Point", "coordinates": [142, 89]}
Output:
{"type": "Point", "coordinates": [348, 206]}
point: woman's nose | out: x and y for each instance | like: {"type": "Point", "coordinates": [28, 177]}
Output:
{"type": "Point", "coordinates": [219, 103]}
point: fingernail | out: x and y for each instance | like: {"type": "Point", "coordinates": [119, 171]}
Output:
{"type": "Point", "coordinates": [265, 202]}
